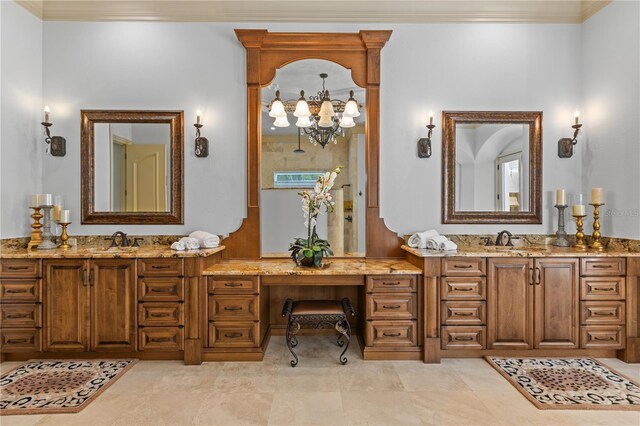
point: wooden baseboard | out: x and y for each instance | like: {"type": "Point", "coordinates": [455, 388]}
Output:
{"type": "Point", "coordinates": [431, 350]}
{"type": "Point", "coordinates": [479, 353]}
{"type": "Point", "coordinates": [382, 354]}
{"type": "Point", "coordinates": [631, 352]}
{"type": "Point", "coordinates": [192, 352]}
{"type": "Point", "coordinates": [149, 356]}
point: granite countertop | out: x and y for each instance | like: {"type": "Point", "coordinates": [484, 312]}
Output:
{"type": "Point", "coordinates": [101, 252]}
{"type": "Point", "coordinates": [343, 266]}
{"type": "Point", "coordinates": [522, 251]}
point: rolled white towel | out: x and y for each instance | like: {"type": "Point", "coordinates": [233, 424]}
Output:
{"type": "Point", "coordinates": [190, 243]}
{"type": "Point", "coordinates": [206, 239]}
{"type": "Point", "coordinates": [434, 242]}
{"type": "Point", "coordinates": [419, 239]}
{"type": "Point", "coordinates": [448, 245]}
{"type": "Point", "coordinates": [179, 246]}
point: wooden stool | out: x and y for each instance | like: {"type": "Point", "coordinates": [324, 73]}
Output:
{"type": "Point", "coordinates": [319, 314]}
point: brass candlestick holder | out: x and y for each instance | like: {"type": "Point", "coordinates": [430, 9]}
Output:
{"type": "Point", "coordinates": [596, 244]}
{"type": "Point", "coordinates": [64, 236]}
{"type": "Point", "coordinates": [580, 245]}
{"type": "Point", "coordinates": [36, 231]}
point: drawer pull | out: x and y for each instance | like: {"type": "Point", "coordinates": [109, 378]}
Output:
{"type": "Point", "coordinates": [17, 268]}
{"type": "Point", "coordinates": [391, 334]}
{"type": "Point", "coordinates": [159, 315]}
{"type": "Point", "coordinates": [463, 314]}
{"type": "Point", "coordinates": [605, 289]}
{"type": "Point", "coordinates": [162, 290]}
{"type": "Point", "coordinates": [390, 282]}
{"type": "Point", "coordinates": [161, 339]}
{"type": "Point", "coordinates": [16, 316]}
{"type": "Point", "coordinates": [160, 266]}
{"type": "Point", "coordinates": [599, 266]}
{"type": "Point", "coordinates": [232, 285]}
{"type": "Point", "coordinates": [233, 335]}
{"type": "Point", "coordinates": [232, 308]}
{"type": "Point", "coordinates": [602, 314]}
{"type": "Point", "coordinates": [391, 306]}
{"type": "Point", "coordinates": [16, 290]}
{"type": "Point", "coordinates": [608, 338]}
{"type": "Point", "coordinates": [463, 266]}
{"type": "Point", "coordinates": [463, 338]}
{"type": "Point", "coordinates": [461, 289]}
{"type": "Point", "coordinates": [15, 341]}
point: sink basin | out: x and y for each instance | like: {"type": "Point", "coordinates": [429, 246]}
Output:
{"type": "Point", "coordinates": [515, 248]}
{"type": "Point", "coordinates": [112, 249]}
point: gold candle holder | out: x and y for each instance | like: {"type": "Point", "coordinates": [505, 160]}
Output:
{"type": "Point", "coordinates": [64, 236]}
{"type": "Point", "coordinates": [36, 231]}
{"type": "Point", "coordinates": [580, 245]}
{"type": "Point", "coordinates": [596, 244]}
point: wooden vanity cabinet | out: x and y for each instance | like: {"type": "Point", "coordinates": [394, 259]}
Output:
{"type": "Point", "coordinates": [89, 305]}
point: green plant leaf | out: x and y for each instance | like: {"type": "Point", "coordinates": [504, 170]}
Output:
{"type": "Point", "coordinates": [308, 253]}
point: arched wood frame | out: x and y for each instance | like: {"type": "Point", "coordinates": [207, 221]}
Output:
{"type": "Point", "coordinates": [267, 52]}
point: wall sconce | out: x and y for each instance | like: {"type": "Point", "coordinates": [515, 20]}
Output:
{"type": "Point", "coordinates": [202, 143]}
{"type": "Point", "coordinates": [57, 145]}
{"type": "Point", "coordinates": [424, 144]}
{"type": "Point", "coordinates": [565, 145]}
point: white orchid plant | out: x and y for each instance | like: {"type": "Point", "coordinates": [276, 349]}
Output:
{"type": "Point", "coordinates": [310, 251]}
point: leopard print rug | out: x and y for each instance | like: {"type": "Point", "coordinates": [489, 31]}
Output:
{"type": "Point", "coordinates": [50, 386]}
{"type": "Point", "coordinates": [569, 383]}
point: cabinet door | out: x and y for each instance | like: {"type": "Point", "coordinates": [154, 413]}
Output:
{"type": "Point", "coordinates": [113, 304]}
{"type": "Point", "coordinates": [66, 305]}
{"type": "Point", "coordinates": [510, 303]}
{"type": "Point", "coordinates": [557, 304]}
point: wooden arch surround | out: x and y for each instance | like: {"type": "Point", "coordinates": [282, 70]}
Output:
{"type": "Point", "coordinates": [267, 52]}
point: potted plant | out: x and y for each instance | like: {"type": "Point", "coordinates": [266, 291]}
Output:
{"type": "Point", "coordinates": [310, 251]}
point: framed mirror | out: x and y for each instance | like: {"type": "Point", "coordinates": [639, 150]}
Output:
{"type": "Point", "coordinates": [492, 167]}
{"type": "Point", "coordinates": [295, 155]}
{"type": "Point", "coordinates": [131, 166]}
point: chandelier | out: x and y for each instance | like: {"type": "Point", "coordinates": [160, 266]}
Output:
{"type": "Point", "coordinates": [321, 118]}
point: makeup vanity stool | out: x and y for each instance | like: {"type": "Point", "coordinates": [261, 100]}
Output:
{"type": "Point", "coordinates": [318, 314]}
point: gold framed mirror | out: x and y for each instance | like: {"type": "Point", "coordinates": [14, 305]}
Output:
{"type": "Point", "coordinates": [132, 166]}
{"type": "Point", "coordinates": [492, 167]}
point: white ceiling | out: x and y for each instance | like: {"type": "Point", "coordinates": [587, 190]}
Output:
{"type": "Point", "coordinates": [565, 11]}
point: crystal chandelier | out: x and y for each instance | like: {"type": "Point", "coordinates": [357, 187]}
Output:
{"type": "Point", "coordinates": [321, 118]}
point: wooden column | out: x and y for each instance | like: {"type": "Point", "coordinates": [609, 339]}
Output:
{"type": "Point", "coordinates": [631, 352]}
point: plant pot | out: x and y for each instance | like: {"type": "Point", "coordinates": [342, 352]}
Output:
{"type": "Point", "coordinates": [308, 262]}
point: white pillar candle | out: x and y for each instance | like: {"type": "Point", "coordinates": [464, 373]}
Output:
{"type": "Point", "coordinates": [46, 199]}
{"type": "Point", "coordinates": [35, 201]}
{"type": "Point", "coordinates": [561, 197]}
{"type": "Point", "coordinates": [579, 210]}
{"type": "Point", "coordinates": [597, 196]}
{"type": "Point", "coordinates": [65, 216]}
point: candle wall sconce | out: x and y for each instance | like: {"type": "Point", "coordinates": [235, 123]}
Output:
{"type": "Point", "coordinates": [202, 143]}
{"type": "Point", "coordinates": [424, 144]}
{"type": "Point", "coordinates": [565, 145]}
{"type": "Point", "coordinates": [57, 145]}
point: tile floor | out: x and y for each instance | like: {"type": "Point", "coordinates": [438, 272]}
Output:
{"type": "Point", "coordinates": [320, 391]}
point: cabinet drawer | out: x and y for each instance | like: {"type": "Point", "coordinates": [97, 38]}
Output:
{"type": "Point", "coordinates": [160, 267]}
{"type": "Point", "coordinates": [463, 288]}
{"type": "Point", "coordinates": [161, 314]}
{"type": "Point", "coordinates": [463, 313]}
{"type": "Point", "coordinates": [20, 340]}
{"type": "Point", "coordinates": [603, 266]}
{"type": "Point", "coordinates": [27, 315]}
{"type": "Point", "coordinates": [161, 338]}
{"type": "Point", "coordinates": [160, 289]}
{"type": "Point", "coordinates": [602, 313]}
{"type": "Point", "coordinates": [12, 290]}
{"type": "Point", "coordinates": [391, 333]}
{"type": "Point", "coordinates": [391, 306]}
{"type": "Point", "coordinates": [233, 334]}
{"type": "Point", "coordinates": [391, 283]}
{"type": "Point", "coordinates": [233, 308]}
{"type": "Point", "coordinates": [19, 268]}
{"type": "Point", "coordinates": [248, 285]}
{"type": "Point", "coordinates": [464, 266]}
{"type": "Point", "coordinates": [458, 337]}
{"type": "Point", "coordinates": [602, 336]}
{"type": "Point", "coordinates": [602, 288]}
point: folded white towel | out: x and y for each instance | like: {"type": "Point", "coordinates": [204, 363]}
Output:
{"type": "Point", "coordinates": [190, 243]}
{"type": "Point", "coordinates": [419, 239]}
{"type": "Point", "coordinates": [178, 245]}
{"type": "Point", "coordinates": [448, 245]}
{"type": "Point", "coordinates": [206, 239]}
{"type": "Point", "coordinates": [433, 243]}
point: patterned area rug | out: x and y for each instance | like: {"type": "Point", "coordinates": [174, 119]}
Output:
{"type": "Point", "coordinates": [50, 386]}
{"type": "Point", "coordinates": [569, 383]}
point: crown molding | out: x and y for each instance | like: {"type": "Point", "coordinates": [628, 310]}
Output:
{"type": "Point", "coordinates": [301, 11]}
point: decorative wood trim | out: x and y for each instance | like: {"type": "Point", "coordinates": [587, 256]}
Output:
{"type": "Point", "coordinates": [267, 52]}
{"type": "Point", "coordinates": [449, 120]}
{"type": "Point", "coordinates": [176, 120]}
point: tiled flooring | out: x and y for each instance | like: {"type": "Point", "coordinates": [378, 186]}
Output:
{"type": "Point", "coordinates": [320, 391]}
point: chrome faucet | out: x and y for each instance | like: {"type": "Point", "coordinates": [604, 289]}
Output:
{"type": "Point", "coordinates": [124, 241]}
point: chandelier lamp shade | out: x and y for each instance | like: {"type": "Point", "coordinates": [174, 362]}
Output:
{"type": "Point", "coordinates": [321, 118]}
